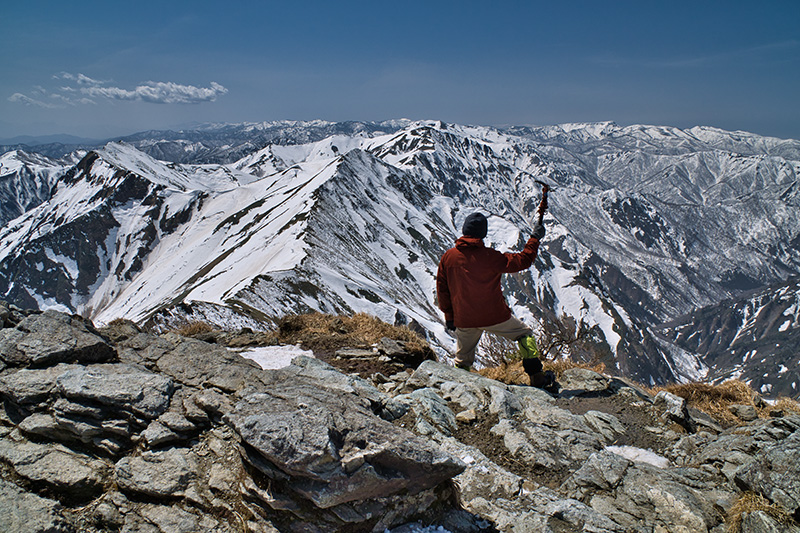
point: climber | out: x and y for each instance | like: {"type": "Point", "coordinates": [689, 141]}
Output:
{"type": "Point", "coordinates": [468, 288]}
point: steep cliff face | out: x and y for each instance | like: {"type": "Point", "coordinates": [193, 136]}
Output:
{"type": "Point", "coordinates": [645, 225]}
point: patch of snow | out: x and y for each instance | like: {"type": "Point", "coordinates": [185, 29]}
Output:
{"type": "Point", "coordinates": [274, 357]}
{"type": "Point", "coordinates": [69, 264]}
{"type": "Point", "coordinates": [502, 234]}
{"type": "Point", "coordinates": [44, 304]}
{"type": "Point", "coordinates": [639, 455]}
{"type": "Point", "coordinates": [580, 303]}
{"type": "Point", "coordinates": [782, 370]}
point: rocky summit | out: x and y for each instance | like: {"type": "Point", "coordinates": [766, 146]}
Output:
{"type": "Point", "coordinates": [118, 430]}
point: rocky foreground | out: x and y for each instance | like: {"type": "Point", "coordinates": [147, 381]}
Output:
{"type": "Point", "coordinates": [119, 430]}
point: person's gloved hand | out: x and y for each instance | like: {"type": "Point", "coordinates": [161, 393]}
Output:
{"type": "Point", "coordinates": [449, 325]}
{"type": "Point", "coordinates": [538, 232]}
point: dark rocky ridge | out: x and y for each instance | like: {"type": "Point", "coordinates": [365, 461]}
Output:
{"type": "Point", "coordinates": [118, 430]}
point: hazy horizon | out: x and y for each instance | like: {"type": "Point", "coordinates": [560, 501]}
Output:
{"type": "Point", "coordinates": [103, 70]}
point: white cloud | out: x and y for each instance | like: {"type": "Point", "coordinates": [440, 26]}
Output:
{"type": "Point", "coordinates": [27, 100]}
{"type": "Point", "coordinates": [153, 92]}
{"type": "Point", "coordinates": [62, 98]}
{"type": "Point", "coordinates": [160, 93]}
{"type": "Point", "coordinates": [80, 79]}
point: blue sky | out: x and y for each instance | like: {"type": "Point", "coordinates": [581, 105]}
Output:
{"type": "Point", "coordinates": [104, 69]}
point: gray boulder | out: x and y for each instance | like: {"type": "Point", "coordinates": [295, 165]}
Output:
{"type": "Point", "coordinates": [102, 404]}
{"type": "Point", "coordinates": [735, 447]}
{"type": "Point", "coordinates": [603, 471]}
{"type": "Point", "coordinates": [775, 473]}
{"type": "Point", "coordinates": [55, 467]}
{"type": "Point", "coordinates": [670, 500]}
{"type": "Point", "coordinates": [432, 411]}
{"type": "Point", "coordinates": [674, 409]}
{"type": "Point", "coordinates": [173, 519]}
{"type": "Point", "coordinates": [133, 388]}
{"type": "Point", "coordinates": [202, 365]}
{"type": "Point", "coordinates": [29, 387]}
{"type": "Point", "coordinates": [50, 338]}
{"type": "Point", "coordinates": [747, 413]}
{"type": "Point", "coordinates": [581, 381]}
{"type": "Point", "coordinates": [333, 450]}
{"type": "Point", "coordinates": [159, 474]}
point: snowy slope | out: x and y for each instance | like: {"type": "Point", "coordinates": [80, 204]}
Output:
{"type": "Point", "coordinates": [25, 182]}
{"type": "Point", "coordinates": [75, 251]}
{"type": "Point", "coordinates": [683, 220]}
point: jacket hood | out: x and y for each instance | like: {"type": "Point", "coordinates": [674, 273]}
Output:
{"type": "Point", "coordinates": [466, 241]}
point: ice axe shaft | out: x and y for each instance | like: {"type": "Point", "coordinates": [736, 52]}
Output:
{"type": "Point", "coordinates": [543, 203]}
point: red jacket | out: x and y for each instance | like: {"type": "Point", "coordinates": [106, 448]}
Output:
{"type": "Point", "coordinates": [468, 281]}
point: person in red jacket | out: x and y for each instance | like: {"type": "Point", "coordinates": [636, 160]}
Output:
{"type": "Point", "coordinates": [468, 288]}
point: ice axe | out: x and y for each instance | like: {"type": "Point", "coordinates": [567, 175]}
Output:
{"type": "Point", "coordinates": [543, 203]}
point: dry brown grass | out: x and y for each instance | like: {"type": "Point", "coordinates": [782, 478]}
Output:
{"type": "Point", "coordinates": [716, 400]}
{"type": "Point", "coordinates": [330, 332]}
{"type": "Point", "coordinates": [509, 373]}
{"type": "Point", "coordinates": [750, 502]}
{"type": "Point", "coordinates": [194, 328]}
{"type": "Point", "coordinates": [512, 373]}
{"type": "Point", "coordinates": [787, 405]}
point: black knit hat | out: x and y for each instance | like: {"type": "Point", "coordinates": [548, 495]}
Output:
{"type": "Point", "coordinates": [475, 225]}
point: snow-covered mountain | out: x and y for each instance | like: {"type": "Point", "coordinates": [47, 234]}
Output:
{"type": "Point", "coordinates": [212, 143]}
{"type": "Point", "coordinates": [646, 224]}
{"type": "Point", "coordinates": [25, 182]}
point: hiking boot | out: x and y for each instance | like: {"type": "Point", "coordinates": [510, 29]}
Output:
{"type": "Point", "coordinates": [545, 381]}
{"type": "Point", "coordinates": [464, 366]}
{"type": "Point", "coordinates": [532, 365]}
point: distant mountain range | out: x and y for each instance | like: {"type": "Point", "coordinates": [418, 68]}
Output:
{"type": "Point", "coordinates": [32, 141]}
{"type": "Point", "coordinates": [649, 229]}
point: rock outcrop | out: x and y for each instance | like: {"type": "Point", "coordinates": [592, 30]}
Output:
{"type": "Point", "coordinates": [575, 462]}
{"type": "Point", "coordinates": [172, 434]}
{"type": "Point", "coordinates": [119, 430]}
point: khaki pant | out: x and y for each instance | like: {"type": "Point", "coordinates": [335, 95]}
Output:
{"type": "Point", "coordinates": [467, 338]}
